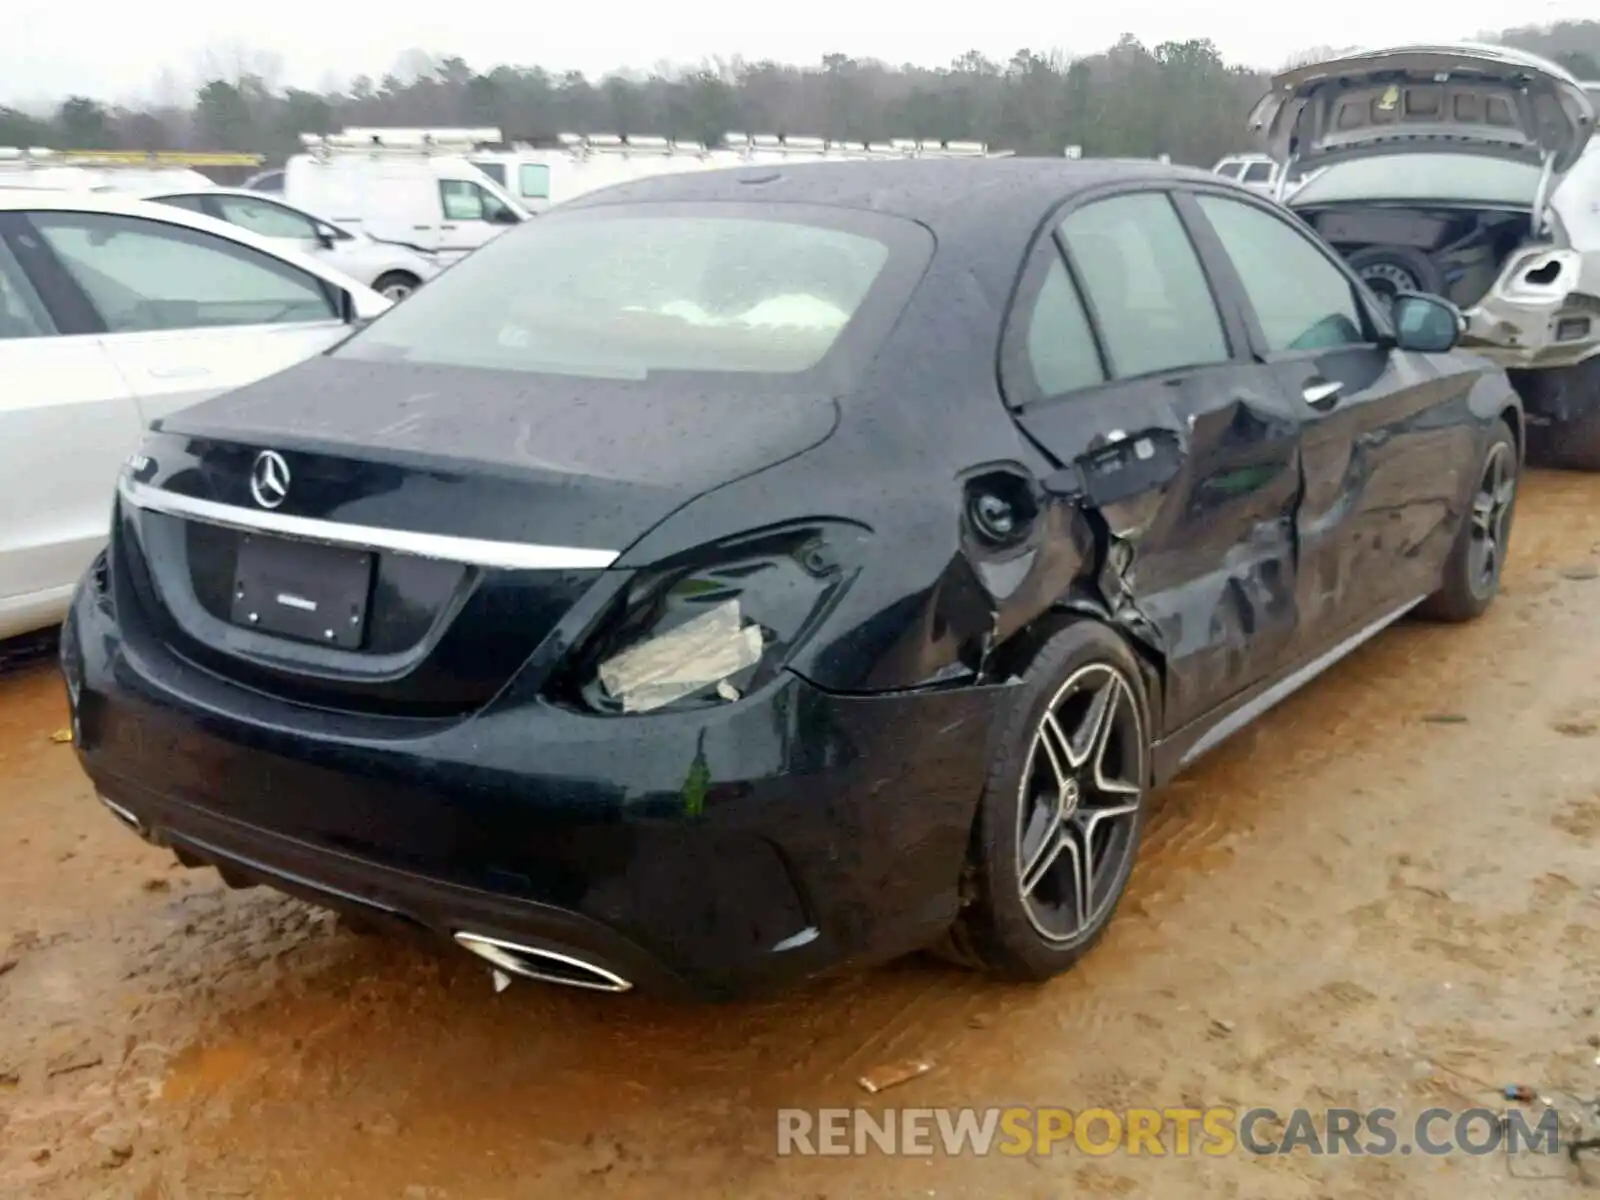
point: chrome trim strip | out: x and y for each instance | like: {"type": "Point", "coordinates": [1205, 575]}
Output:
{"type": "Point", "coordinates": [508, 556]}
{"type": "Point", "coordinates": [1291, 683]}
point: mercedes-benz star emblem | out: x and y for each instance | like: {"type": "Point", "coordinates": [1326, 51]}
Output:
{"type": "Point", "coordinates": [269, 479]}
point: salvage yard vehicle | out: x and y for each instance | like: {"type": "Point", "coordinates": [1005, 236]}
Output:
{"type": "Point", "coordinates": [821, 563]}
{"type": "Point", "coordinates": [1465, 171]}
{"type": "Point", "coordinates": [1259, 173]}
{"type": "Point", "coordinates": [113, 313]}
{"type": "Point", "coordinates": [392, 270]}
{"type": "Point", "coordinates": [413, 187]}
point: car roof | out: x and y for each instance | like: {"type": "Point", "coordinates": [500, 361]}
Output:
{"type": "Point", "coordinates": [248, 194]}
{"type": "Point", "coordinates": [939, 193]}
{"type": "Point", "coordinates": [127, 203]}
{"type": "Point", "coordinates": [124, 204]}
{"type": "Point", "coordinates": [207, 191]}
{"type": "Point", "coordinates": [984, 212]}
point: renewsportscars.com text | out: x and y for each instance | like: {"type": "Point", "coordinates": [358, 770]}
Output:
{"type": "Point", "coordinates": [1157, 1132]}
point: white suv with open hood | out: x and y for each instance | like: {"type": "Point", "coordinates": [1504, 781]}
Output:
{"type": "Point", "coordinates": [1461, 171]}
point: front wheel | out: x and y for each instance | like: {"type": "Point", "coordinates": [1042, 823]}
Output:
{"type": "Point", "coordinates": [1063, 807]}
{"type": "Point", "coordinates": [1472, 572]}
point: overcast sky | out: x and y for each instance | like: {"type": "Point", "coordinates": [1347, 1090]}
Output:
{"type": "Point", "coordinates": [50, 48]}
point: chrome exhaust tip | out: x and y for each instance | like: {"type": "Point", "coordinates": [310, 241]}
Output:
{"type": "Point", "coordinates": [547, 966]}
{"type": "Point", "coordinates": [124, 815]}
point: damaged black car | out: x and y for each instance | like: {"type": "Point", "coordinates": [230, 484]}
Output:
{"type": "Point", "coordinates": [735, 576]}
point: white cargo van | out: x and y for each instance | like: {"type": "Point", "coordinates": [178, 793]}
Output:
{"type": "Point", "coordinates": [414, 187]}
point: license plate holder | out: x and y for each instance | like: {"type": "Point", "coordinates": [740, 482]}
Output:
{"type": "Point", "coordinates": [302, 590]}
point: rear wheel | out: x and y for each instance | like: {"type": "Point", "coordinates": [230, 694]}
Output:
{"type": "Point", "coordinates": [1058, 827]}
{"type": "Point", "coordinates": [396, 285]}
{"type": "Point", "coordinates": [1472, 572]}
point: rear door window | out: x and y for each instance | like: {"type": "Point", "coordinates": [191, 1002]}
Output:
{"type": "Point", "coordinates": [264, 218]}
{"type": "Point", "coordinates": [1147, 293]}
{"type": "Point", "coordinates": [194, 204]}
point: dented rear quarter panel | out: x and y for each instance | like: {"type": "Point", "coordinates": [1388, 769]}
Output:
{"type": "Point", "coordinates": [1259, 532]}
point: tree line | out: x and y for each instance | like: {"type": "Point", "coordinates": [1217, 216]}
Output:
{"type": "Point", "coordinates": [1178, 98]}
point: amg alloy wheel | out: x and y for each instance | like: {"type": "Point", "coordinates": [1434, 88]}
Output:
{"type": "Point", "coordinates": [1471, 577]}
{"type": "Point", "coordinates": [1058, 827]}
{"type": "Point", "coordinates": [1076, 813]}
{"type": "Point", "coordinates": [1490, 529]}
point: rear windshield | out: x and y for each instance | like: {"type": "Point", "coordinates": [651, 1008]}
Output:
{"type": "Point", "coordinates": [1461, 178]}
{"type": "Point", "coordinates": [624, 291]}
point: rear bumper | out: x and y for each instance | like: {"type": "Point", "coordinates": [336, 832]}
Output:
{"type": "Point", "coordinates": [700, 854]}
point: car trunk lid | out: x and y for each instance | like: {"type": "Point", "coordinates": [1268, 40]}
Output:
{"type": "Point", "coordinates": [416, 532]}
{"type": "Point", "coordinates": [1461, 99]}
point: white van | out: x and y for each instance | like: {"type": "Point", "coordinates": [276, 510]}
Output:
{"type": "Point", "coordinates": [585, 163]}
{"type": "Point", "coordinates": [404, 186]}
{"type": "Point", "coordinates": [523, 173]}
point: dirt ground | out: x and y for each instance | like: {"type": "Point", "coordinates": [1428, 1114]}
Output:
{"type": "Point", "coordinates": [1386, 893]}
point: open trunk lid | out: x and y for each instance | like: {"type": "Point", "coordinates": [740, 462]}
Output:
{"type": "Point", "coordinates": [1459, 99]}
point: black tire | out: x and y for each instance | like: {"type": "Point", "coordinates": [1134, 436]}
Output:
{"type": "Point", "coordinates": [1471, 581]}
{"type": "Point", "coordinates": [1389, 270]}
{"type": "Point", "coordinates": [998, 931]}
{"type": "Point", "coordinates": [403, 283]}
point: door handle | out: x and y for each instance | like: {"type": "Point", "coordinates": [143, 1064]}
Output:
{"type": "Point", "coordinates": [450, 227]}
{"type": "Point", "coordinates": [1322, 393]}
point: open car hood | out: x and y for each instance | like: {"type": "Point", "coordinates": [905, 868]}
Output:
{"type": "Point", "coordinates": [1458, 99]}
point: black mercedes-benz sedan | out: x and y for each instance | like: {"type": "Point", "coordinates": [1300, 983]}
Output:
{"type": "Point", "coordinates": [733, 576]}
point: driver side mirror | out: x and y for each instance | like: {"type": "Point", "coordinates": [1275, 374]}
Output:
{"type": "Point", "coordinates": [1426, 324]}
{"type": "Point", "coordinates": [327, 236]}
{"type": "Point", "coordinates": [501, 216]}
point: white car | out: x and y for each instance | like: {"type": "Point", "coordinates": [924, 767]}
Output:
{"type": "Point", "coordinates": [1258, 173]}
{"type": "Point", "coordinates": [1464, 171]}
{"type": "Point", "coordinates": [115, 312]}
{"type": "Point", "coordinates": [388, 268]}
{"type": "Point", "coordinates": [135, 180]}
